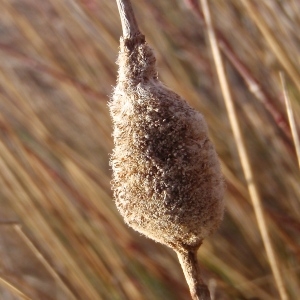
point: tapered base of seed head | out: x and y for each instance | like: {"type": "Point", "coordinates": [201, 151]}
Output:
{"type": "Point", "coordinates": [167, 180]}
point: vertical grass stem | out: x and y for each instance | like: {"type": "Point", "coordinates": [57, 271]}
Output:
{"type": "Point", "coordinates": [291, 118]}
{"type": "Point", "coordinates": [248, 173]}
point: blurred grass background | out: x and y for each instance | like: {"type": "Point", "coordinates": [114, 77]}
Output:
{"type": "Point", "coordinates": [60, 234]}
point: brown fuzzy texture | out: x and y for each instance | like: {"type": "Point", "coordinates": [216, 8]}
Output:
{"type": "Point", "coordinates": [167, 180]}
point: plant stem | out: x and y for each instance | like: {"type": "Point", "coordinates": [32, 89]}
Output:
{"type": "Point", "coordinates": [291, 118]}
{"type": "Point", "coordinates": [243, 154]}
{"type": "Point", "coordinates": [129, 24]}
{"type": "Point", "coordinates": [276, 45]}
{"type": "Point", "coordinates": [253, 84]}
{"type": "Point", "coordinates": [43, 260]}
{"type": "Point", "coordinates": [13, 289]}
{"type": "Point", "coordinates": [191, 270]}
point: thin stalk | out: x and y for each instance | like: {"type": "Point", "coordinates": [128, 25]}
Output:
{"type": "Point", "coordinates": [245, 162]}
{"type": "Point", "coordinates": [273, 42]}
{"type": "Point", "coordinates": [291, 118]}
{"type": "Point", "coordinates": [189, 264]}
{"type": "Point", "coordinates": [43, 260]}
{"type": "Point", "coordinates": [252, 83]}
{"type": "Point", "coordinates": [36, 65]}
{"type": "Point", "coordinates": [129, 24]}
{"type": "Point", "coordinates": [13, 289]}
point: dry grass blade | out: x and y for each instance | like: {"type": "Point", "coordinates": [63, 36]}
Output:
{"type": "Point", "coordinates": [248, 173]}
{"type": "Point", "coordinates": [275, 45]}
{"type": "Point", "coordinates": [253, 84]}
{"type": "Point", "coordinates": [246, 286]}
{"type": "Point", "coordinates": [42, 259]}
{"type": "Point", "coordinates": [14, 289]}
{"type": "Point", "coordinates": [290, 114]}
{"type": "Point", "coordinates": [36, 216]}
{"type": "Point", "coordinates": [52, 72]}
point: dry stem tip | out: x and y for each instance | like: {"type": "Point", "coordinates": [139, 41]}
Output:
{"type": "Point", "coordinates": [189, 264]}
{"type": "Point", "coordinates": [129, 24]}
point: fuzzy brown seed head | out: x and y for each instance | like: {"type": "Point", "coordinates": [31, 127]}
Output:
{"type": "Point", "coordinates": [167, 180]}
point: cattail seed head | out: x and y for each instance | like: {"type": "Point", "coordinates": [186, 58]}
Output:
{"type": "Point", "coordinates": [167, 180]}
